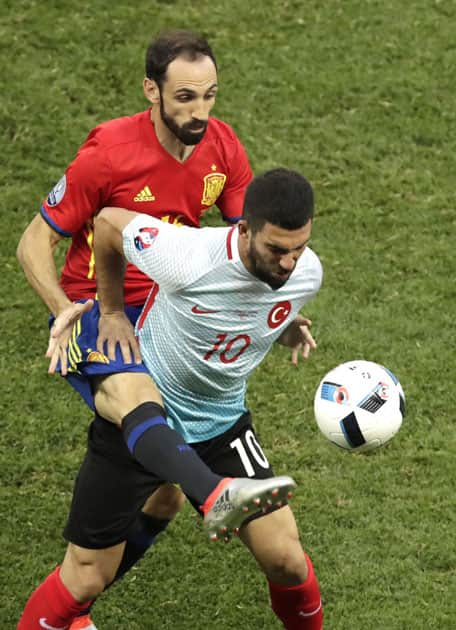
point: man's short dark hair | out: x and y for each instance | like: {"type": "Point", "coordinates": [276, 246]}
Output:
{"type": "Point", "coordinates": [280, 196]}
{"type": "Point", "coordinates": [169, 45]}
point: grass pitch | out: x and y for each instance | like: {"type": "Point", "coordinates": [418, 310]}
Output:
{"type": "Point", "coordinates": [360, 97]}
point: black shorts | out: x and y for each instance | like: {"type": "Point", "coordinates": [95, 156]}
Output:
{"type": "Point", "coordinates": [111, 486]}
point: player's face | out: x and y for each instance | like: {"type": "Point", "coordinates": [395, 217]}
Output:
{"type": "Point", "coordinates": [187, 97]}
{"type": "Point", "coordinates": [271, 254]}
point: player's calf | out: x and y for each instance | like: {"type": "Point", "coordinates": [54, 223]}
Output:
{"type": "Point", "coordinates": [293, 586]}
{"type": "Point", "coordinates": [87, 572]}
{"type": "Point", "coordinates": [161, 506]}
{"type": "Point", "coordinates": [299, 607]}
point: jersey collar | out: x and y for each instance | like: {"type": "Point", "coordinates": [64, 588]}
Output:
{"type": "Point", "coordinates": [232, 246]}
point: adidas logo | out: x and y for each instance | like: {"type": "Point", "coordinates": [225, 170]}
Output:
{"type": "Point", "coordinates": [144, 195]}
{"type": "Point", "coordinates": [223, 503]}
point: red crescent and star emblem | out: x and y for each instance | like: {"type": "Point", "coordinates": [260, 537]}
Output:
{"type": "Point", "coordinates": [278, 313]}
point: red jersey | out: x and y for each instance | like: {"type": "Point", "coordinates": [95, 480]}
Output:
{"type": "Point", "coordinates": [122, 164]}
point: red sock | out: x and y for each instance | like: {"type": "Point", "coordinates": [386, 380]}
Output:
{"type": "Point", "coordinates": [51, 605]}
{"type": "Point", "coordinates": [298, 607]}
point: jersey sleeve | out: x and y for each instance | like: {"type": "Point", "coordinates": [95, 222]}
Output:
{"type": "Point", "coordinates": [172, 256]}
{"type": "Point", "coordinates": [231, 200]}
{"type": "Point", "coordinates": [318, 275]}
{"type": "Point", "coordinates": [313, 275]}
{"type": "Point", "coordinates": [80, 193]}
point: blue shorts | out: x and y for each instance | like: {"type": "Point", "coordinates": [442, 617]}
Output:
{"type": "Point", "coordinates": [84, 361]}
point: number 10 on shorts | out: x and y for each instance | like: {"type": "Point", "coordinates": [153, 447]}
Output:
{"type": "Point", "coordinates": [251, 445]}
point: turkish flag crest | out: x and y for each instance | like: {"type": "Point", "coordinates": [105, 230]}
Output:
{"type": "Point", "coordinates": [278, 313]}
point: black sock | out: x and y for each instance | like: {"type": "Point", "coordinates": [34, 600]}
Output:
{"type": "Point", "coordinates": [163, 452]}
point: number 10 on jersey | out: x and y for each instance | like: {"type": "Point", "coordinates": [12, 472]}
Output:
{"type": "Point", "coordinates": [228, 350]}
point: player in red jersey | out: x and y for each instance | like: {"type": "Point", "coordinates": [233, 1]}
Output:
{"type": "Point", "coordinates": [263, 268]}
{"type": "Point", "coordinates": [124, 163]}
{"type": "Point", "coordinates": [172, 161]}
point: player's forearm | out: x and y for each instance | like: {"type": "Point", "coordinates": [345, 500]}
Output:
{"type": "Point", "coordinates": [35, 253]}
{"type": "Point", "coordinates": [110, 265]}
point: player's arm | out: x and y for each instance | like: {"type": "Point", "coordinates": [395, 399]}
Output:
{"type": "Point", "coordinates": [109, 256]}
{"type": "Point", "coordinates": [298, 337]}
{"type": "Point", "coordinates": [35, 253]}
{"type": "Point", "coordinates": [172, 256]}
{"type": "Point", "coordinates": [69, 206]}
{"type": "Point", "coordinates": [114, 326]}
{"type": "Point", "coordinates": [231, 201]}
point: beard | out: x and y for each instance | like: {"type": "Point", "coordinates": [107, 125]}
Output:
{"type": "Point", "coordinates": [260, 271]}
{"type": "Point", "coordinates": [185, 133]}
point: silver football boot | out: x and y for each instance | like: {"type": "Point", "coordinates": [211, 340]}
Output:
{"type": "Point", "coordinates": [240, 498]}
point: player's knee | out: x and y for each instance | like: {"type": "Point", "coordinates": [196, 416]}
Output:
{"type": "Point", "coordinates": [165, 503]}
{"type": "Point", "coordinates": [287, 564]}
{"type": "Point", "coordinates": [87, 573]}
{"type": "Point", "coordinates": [91, 582]}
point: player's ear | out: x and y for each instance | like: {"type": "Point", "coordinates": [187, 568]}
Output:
{"type": "Point", "coordinates": [243, 227]}
{"type": "Point", "coordinates": [151, 91]}
{"type": "Point", "coordinates": [244, 234]}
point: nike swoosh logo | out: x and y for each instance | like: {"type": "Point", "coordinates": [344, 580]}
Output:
{"type": "Point", "coordinates": [301, 613]}
{"type": "Point", "coordinates": [201, 311]}
{"type": "Point", "coordinates": [43, 624]}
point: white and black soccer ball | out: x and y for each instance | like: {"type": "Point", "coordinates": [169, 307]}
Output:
{"type": "Point", "coordinates": [359, 405]}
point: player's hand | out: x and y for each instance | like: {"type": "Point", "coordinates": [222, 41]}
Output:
{"type": "Point", "coordinates": [60, 334]}
{"type": "Point", "coordinates": [116, 329]}
{"type": "Point", "coordinates": [299, 338]}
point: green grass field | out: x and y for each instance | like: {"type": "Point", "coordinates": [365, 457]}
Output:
{"type": "Point", "coordinates": [361, 97]}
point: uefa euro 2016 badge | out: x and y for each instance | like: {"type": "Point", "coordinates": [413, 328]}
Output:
{"type": "Point", "coordinates": [145, 237]}
{"type": "Point", "coordinates": [56, 194]}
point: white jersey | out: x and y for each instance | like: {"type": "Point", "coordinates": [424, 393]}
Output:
{"type": "Point", "coordinates": [208, 322]}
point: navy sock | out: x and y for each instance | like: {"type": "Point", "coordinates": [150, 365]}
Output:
{"type": "Point", "coordinates": [140, 537]}
{"type": "Point", "coordinates": [163, 452]}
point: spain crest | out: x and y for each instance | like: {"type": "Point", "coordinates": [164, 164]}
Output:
{"type": "Point", "coordinates": [213, 186]}
{"type": "Point", "coordinates": [97, 357]}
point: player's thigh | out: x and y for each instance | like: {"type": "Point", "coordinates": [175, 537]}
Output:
{"type": "Point", "coordinates": [165, 502]}
{"type": "Point", "coordinates": [110, 489]}
{"type": "Point", "coordinates": [87, 366]}
{"type": "Point", "coordinates": [116, 395]}
{"type": "Point", "coordinates": [274, 541]}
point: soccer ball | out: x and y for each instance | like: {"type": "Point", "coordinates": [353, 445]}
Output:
{"type": "Point", "coordinates": [359, 405]}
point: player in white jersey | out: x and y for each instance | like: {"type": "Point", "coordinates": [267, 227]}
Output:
{"type": "Point", "coordinates": [216, 320]}
{"type": "Point", "coordinates": [224, 296]}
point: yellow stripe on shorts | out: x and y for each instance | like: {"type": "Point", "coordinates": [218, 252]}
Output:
{"type": "Point", "coordinates": [74, 351]}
